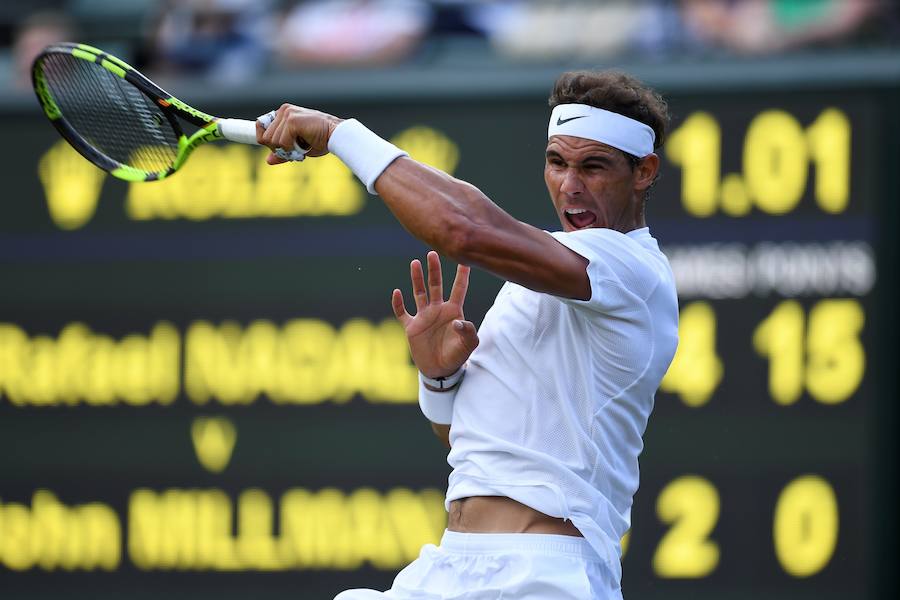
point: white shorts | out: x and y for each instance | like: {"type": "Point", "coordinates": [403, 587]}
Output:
{"type": "Point", "coordinates": [507, 566]}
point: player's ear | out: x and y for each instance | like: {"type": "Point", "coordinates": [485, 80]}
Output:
{"type": "Point", "coordinates": [645, 171]}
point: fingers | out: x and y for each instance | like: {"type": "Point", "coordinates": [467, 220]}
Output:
{"type": "Point", "coordinates": [434, 293]}
{"type": "Point", "coordinates": [468, 335]}
{"type": "Point", "coordinates": [280, 130]}
{"type": "Point", "coordinates": [435, 280]}
{"type": "Point", "coordinates": [460, 285]}
{"type": "Point", "coordinates": [418, 284]}
{"type": "Point", "coordinates": [260, 134]}
{"type": "Point", "coordinates": [297, 126]}
{"type": "Point", "coordinates": [400, 308]}
{"type": "Point", "coordinates": [265, 127]}
{"type": "Point", "coordinates": [287, 139]}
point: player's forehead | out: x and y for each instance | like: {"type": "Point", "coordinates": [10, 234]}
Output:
{"type": "Point", "coordinates": [571, 147]}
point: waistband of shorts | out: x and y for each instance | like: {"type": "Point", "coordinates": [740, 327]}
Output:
{"type": "Point", "coordinates": [533, 543]}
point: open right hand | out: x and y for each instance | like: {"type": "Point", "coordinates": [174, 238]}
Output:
{"type": "Point", "coordinates": [440, 339]}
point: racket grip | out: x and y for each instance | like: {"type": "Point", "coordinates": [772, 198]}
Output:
{"type": "Point", "coordinates": [238, 130]}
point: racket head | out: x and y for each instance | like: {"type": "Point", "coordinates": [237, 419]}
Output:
{"type": "Point", "coordinates": [113, 115]}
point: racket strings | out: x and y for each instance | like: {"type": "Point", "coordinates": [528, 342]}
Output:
{"type": "Point", "coordinates": [112, 115]}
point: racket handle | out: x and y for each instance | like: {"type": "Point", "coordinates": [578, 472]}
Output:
{"type": "Point", "coordinates": [238, 130]}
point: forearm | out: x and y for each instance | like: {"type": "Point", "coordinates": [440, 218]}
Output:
{"type": "Point", "coordinates": [438, 209]}
{"type": "Point", "coordinates": [442, 211]}
{"type": "Point", "coordinates": [456, 218]}
{"type": "Point", "coordinates": [459, 221]}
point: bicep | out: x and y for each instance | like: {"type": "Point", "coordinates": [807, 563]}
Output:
{"type": "Point", "coordinates": [529, 257]}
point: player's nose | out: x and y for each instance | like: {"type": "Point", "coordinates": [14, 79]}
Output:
{"type": "Point", "coordinates": [571, 183]}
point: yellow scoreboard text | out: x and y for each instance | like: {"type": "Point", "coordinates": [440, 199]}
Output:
{"type": "Point", "coordinates": [303, 361]}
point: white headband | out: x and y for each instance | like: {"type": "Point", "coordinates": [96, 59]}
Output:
{"type": "Point", "coordinates": [612, 129]}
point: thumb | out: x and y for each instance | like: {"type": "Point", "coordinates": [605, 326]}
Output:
{"type": "Point", "coordinates": [274, 160]}
{"type": "Point", "coordinates": [467, 333]}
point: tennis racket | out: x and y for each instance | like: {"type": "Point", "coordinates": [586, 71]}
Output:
{"type": "Point", "coordinates": [123, 122]}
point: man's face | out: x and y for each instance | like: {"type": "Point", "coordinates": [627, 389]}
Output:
{"type": "Point", "coordinates": [591, 184]}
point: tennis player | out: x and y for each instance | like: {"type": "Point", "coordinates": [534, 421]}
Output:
{"type": "Point", "coordinates": [546, 404]}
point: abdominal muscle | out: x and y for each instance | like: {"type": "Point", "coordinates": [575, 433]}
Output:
{"type": "Point", "coordinates": [498, 514]}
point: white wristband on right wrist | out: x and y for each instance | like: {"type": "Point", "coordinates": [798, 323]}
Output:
{"type": "Point", "coordinates": [363, 151]}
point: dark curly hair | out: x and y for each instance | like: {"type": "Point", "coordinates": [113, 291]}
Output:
{"type": "Point", "coordinates": [617, 92]}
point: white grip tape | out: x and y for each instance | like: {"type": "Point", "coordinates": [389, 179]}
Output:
{"type": "Point", "coordinates": [297, 154]}
{"type": "Point", "coordinates": [238, 130]}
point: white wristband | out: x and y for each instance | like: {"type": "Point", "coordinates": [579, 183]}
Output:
{"type": "Point", "coordinates": [363, 151]}
{"type": "Point", "coordinates": [437, 406]}
{"type": "Point", "coordinates": [444, 383]}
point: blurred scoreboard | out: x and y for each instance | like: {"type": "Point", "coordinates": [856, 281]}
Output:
{"type": "Point", "coordinates": [203, 393]}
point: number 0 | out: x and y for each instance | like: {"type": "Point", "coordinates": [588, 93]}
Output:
{"type": "Point", "coordinates": [776, 161]}
{"type": "Point", "coordinates": [805, 526]}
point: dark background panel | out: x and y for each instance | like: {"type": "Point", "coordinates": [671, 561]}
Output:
{"type": "Point", "coordinates": [121, 276]}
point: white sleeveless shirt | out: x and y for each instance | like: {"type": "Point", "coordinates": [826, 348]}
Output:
{"type": "Point", "coordinates": [557, 395]}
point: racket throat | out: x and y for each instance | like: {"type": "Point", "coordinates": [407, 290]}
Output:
{"type": "Point", "coordinates": [186, 145]}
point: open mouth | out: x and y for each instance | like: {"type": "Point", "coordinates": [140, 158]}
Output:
{"type": "Point", "coordinates": [580, 218]}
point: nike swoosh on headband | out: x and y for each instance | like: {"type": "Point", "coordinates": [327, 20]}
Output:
{"type": "Point", "coordinates": [560, 120]}
{"type": "Point", "coordinates": [604, 126]}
